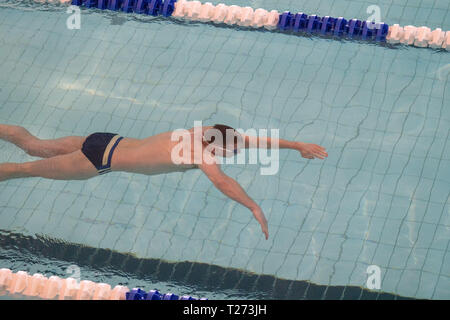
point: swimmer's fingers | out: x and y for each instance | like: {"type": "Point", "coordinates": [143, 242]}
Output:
{"type": "Point", "coordinates": [259, 216]}
{"type": "Point", "coordinates": [319, 151]}
{"type": "Point", "coordinates": [320, 155]}
{"type": "Point", "coordinates": [265, 228]}
{"type": "Point", "coordinates": [311, 151]}
{"type": "Point", "coordinates": [266, 233]}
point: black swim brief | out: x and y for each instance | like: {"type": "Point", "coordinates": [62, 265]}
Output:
{"type": "Point", "coordinates": [99, 147]}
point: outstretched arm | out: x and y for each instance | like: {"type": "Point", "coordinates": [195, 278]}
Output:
{"type": "Point", "coordinates": [307, 150]}
{"type": "Point", "coordinates": [232, 189]}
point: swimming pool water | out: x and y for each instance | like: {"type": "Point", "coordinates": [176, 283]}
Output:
{"type": "Point", "coordinates": [380, 198]}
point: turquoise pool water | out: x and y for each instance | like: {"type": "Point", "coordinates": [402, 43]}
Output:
{"type": "Point", "coordinates": [380, 198]}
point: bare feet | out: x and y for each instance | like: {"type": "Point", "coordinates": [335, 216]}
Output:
{"type": "Point", "coordinates": [10, 171]}
{"type": "Point", "coordinates": [14, 134]}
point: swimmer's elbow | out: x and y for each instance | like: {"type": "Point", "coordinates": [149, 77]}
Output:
{"type": "Point", "coordinates": [216, 176]}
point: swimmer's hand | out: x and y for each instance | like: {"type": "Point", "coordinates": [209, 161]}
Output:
{"type": "Point", "coordinates": [259, 215]}
{"type": "Point", "coordinates": [311, 151]}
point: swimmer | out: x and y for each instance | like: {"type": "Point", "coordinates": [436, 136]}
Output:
{"type": "Point", "coordinates": [80, 158]}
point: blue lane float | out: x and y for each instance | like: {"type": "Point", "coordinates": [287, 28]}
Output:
{"type": "Point", "coordinates": [300, 21]}
{"type": "Point", "coordinates": [139, 6]}
{"type": "Point", "coordinates": [154, 7]}
{"type": "Point", "coordinates": [285, 22]}
{"type": "Point", "coordinates": [139, 294]}
{"type": "Point", "coordinates": [168, 8]}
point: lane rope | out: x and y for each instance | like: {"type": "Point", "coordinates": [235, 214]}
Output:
{"type": "Point", "coordinates": [284, 21]}
{"type": "Point", "coordinates": [37, 285]}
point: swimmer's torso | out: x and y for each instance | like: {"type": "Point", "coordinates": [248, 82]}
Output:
{"type": "Point", "coordinates": [151, 155]}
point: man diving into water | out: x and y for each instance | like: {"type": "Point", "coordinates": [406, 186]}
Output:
{"type": "Point", "coordinates": [80, 158]}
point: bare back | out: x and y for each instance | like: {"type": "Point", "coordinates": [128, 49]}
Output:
{"type": "Point", "coordinates": [151, 155]}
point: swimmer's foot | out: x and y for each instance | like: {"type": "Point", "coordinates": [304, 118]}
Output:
{"type": "Point", "coordinates": [13, 134]}
{"type": "Point", "coordinates": [6, 131]}
{"type": "Point", "coordinates": [10, 171]}
{"type": "Point", "coordinates": [19, 136]}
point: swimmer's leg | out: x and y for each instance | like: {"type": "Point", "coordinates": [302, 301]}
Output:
{"type": "Point", "coordinates": [72, 166]}
{"type": "Point", "coordinates": [36, 147]}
